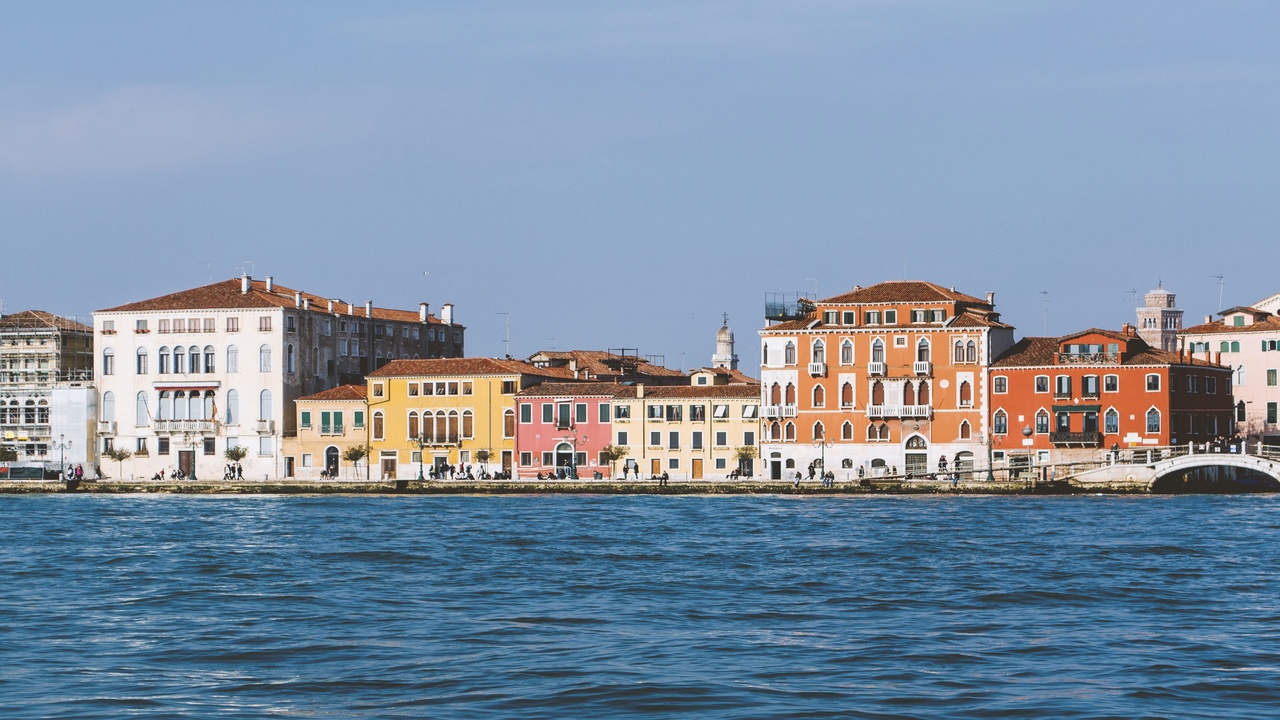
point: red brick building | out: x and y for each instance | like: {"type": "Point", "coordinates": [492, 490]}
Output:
{"type": "Point", "coordinates": [1062, 399]}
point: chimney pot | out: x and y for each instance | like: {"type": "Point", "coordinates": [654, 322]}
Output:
{"type": "Point", "coordinates": [368, 308]}
{"type": "Point", "coordinates": [297, 299]}
{"type": "Point", "coordinates": [246, 283]}
{"type": "Point", "coordinates": [423, 313]}
{"type": "Point", "coordinates": [1208, 319]}
{"type": "Point", "coordinates": [991, 299]}
{"type": "Point", "coordinates": [640, 390]}
{"type": "Point", "coordinates": [446, 313]}
{"type": "Point", "coordinates": [330, 305]}
{"type": "Point", "coordinates": [271, 284]}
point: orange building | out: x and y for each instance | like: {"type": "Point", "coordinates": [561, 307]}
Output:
{"type": "Point", "coordinates": [883, 379]}
{"type": "Point", "coordinates": [1063, 399]}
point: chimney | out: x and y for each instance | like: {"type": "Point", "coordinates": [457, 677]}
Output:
{"type": "Point", "coordinates": [368, 308]}
{"type": "Point", "coordinates": [423, 313]}
{"type": "Point", "coordinates": [331, 306]}
{"type": "Point", "coordinates": [271, 284]}
{"type": "Point", "coordinates": [1217, 357]}
{"type": "Point", "coordinates": [351, 309]}
{"type": "Point", "coordinates": [640, 391]}
{"type": "Point", "coordinates": [306, 303]}
{"type": "Point", "coordinates": [446, 313]}
{"type": "Point", "coordinates": [297, 299]}
{"type": "Point", "coordinates": [246, 282]}
{"type": "Point", "coordinates": [1208, 319]}
{"type": "Point", "coordinates": [991, 299]}
{"type": "Point", "coordinates": [1127, 330]}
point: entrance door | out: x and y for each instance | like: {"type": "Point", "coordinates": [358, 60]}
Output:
{"type": "Point", "coordinates": [697, 468]}
{"type": "Point", "coordinates": [506, 461]}
{"type": "Point", "coordinates": [917, 457]}
{"type": "Point", "coordinates": [564, 455]}
{"type": "Point", "coordinates": [288, 467]}
{"type": "Point", "coordinates": [186, 462]}
{"type": "Point", "coordinates": [655, 467]}
{"type": "Point", "coordinates": [331, 461]}
{"type": "Point", "coordinates": [775, 469]}
{"type": "Point", "coordinates": [389, 466]}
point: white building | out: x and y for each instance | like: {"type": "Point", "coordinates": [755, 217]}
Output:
{"type": "Point", "coordinates": [185, 376]}
{"type": "Point", "coordinates": [1248, 339]}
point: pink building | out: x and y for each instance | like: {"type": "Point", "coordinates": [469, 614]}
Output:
{"type": "Point", "coordinates": [565, 425]}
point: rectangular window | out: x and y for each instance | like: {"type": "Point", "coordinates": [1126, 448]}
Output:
{"type": "Point", "coordinates": [162, 445]}
{"type": "Point", "coordinates": [871, 317]}
{"type": "Point", "coordinates": [306, 460]}
{"type": "Point", "coordinates": [697, 413]}
{"type": "Point", "coordinates": [290, 324]}
{"type": "Point", "coordinates": [357, 419]}
{"type": "Point", "coordinates": [1271, 378]}
{"type": "Point", "coordinates": [140, 446]}
{"type": "Point", "coordinates": [695, 441]}
{"type": "Point", "coordinates": [428, 388]}
{"type": "Point", "coordinates": [1153, 383]}
{"type": "Point", "coordinates": [1062, 386]}
{"type": "Point", "coordinates": [233, 324]}
{"type": "Point", "coordinates": [675, 413]}
{"type": "Point", "coordinates": [750, 412]}
{"type": "Point", "coordinates": [720, 412]}
{"type": "Point", "coordinates": [655, 438]}
{"type": "Point", "coordinates": [164, 326]}
{"type": "Point", "coordinates": [1271, 413]}
{"type": "Point", "coordinates": [526, 459]}
{"type": "Point", "coordinates": [604, 412]}
{"type": "Point", "coordinates": [140, 326]}
{"type": "Point", "coordinates": [580, 412]}
{"type": "Point", "coordinates": [547, 459]}
{"type": "Point", "coordinates": [466, 388]}
{"type": "Point", "coordinates": [890, 317]}
{"type": "Point", "coordinates": [850, 317]}
{"type": "Point", "coordinates": [622, 412]}
{"type": "Point", "coordinates": [548, 412]}
{"type": "Point", "coordinates": [342, 347]}
{"type": "Point", "coordinates": [264, 445]}
{"type": "Point", "coordinates": [673, 464]}
{"type": "Point", "coordinates": [377, 389]}
{"type": "Point", "coordinates": [209, 447]}
{"type": "Point", "coordinates": [655, 412]}
{"type": "Point", "coordinates": [210, 325]}
{"type": "Point", "coordinates": [939, 316]}
{"type": "Point", "coordinates": [749, 438]}
{"type": "Point", "coordinates": [306, 418]}
{"type": "Point", "coordinates": [1090, 385]}
{"type": "Point", "coordinates": [1211, 385]}
{"type": "Point", "coordinates": [1111, 383]}
{"type": "Point", "coordinates": [526, 413]}
{"type": "Point", "coordinates": [508, 387]}
{"type": "Point", "coordinates": [1042, 383]}
{"type": "Point", "coordinates": [264, 323]}
{"type": "Point", "coordinates": [451, 388]}
{"type": "Point", "coordinates": [722, 438]}
{"type": "Point", "coordinates": [622, 437]}
{"type": "Point", "coordinates": [413, 389]}
{"type": "Point", "coordinates": [829, 317]}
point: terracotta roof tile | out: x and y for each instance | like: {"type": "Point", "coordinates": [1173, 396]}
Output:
{"type": "Point", "coordinates": [342, 392]}
{"type": "Point", "coordinates": [893, 291]}
{"type": "Point", "coordinates": [605, 364]}
{"type": "Point", "coordinates": [463, 367]}
{"type": "Point", "coordinates": [701, 391]}
{"type": "Point", "coordinates": [576, 389]}
{"type": "Point", "coordinates": [39, 319]}
{"type": "Point", "coordinates": [1043, 352]}
{"type": "Point", "coordinates": [1267, 324]}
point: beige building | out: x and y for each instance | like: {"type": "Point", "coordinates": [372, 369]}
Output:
{"type": "Point", "coordinates": [329, 423]}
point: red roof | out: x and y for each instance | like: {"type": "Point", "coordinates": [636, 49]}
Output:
{"type": "Point", "coordinates": [40, 320]}
{"type": "Point", "coordinates": [465, 367]}
{"type": "Point", "coordinates": [1270, 323]}
{"type": "Point", "coordinates": [895, 291]}
{"type": "Point", "coordinates": [342, 392]}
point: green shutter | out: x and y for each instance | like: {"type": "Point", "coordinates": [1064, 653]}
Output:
{"type": "Point", "coordinates": [306, 418]}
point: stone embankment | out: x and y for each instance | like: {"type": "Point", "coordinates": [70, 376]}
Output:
{"type": "Point", "coordinates": [881, 486]}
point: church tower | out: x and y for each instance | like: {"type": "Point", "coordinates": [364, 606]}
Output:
{"type": "Point", "coordinates": [724, 357]}
{"type": "Point", "coordinates": [1159, 321]}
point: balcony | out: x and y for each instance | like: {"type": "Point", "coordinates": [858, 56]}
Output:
{"type": "Point", "coordinates": [924, 368]}
{"type": "Point", "coordinates": [1097, 358]}
{"type": "Point", "coordinates": [875, 369]}
{"type": "Point", "coordinates": [331, 429]}
{"type": "Point", "coordinates": [818, 369]}
{"type": "Point", "coordinates": [203, 427]}
{"type": "Point", "coordinates": [1090, 439]}
{"type": "Point", "coordinates": [1061, 395]}
{"type": "Point", "coordinates": [773, 412]}
{"type": "Point", "coordinates": [789, 411]}
{"type": "Point", "coordinates": [439, 439]}
{"type": "Point", "coordinates": [266, 427]}
{"type": "Point", "coordinates": [899, 411]}
{"type": "Point", "coordinates": [106, 427]}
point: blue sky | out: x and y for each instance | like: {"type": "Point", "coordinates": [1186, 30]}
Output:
{"type": "Point", "coordinates": [619, 174]}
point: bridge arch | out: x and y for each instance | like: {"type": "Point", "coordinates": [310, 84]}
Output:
{"type": "Point", "coordinates": [1215, 472]}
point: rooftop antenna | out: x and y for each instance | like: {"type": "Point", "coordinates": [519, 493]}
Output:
{"type": "Point", "coordinates": [250, 264]}
{"type": "Point", "coordinates": [815, 287]}
{"type": "Point", "coordinates": [1044, 296]}
{"type": "Point", "coordinates": [506, 341]}
{"type": "Point", "coordinates": [682, 361]}
{"type": "Point", "coordinates": [1221, 281]}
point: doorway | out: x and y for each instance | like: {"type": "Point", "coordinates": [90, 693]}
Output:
{"type": "Point", "coordinates": [564, 455]}
{"type": "Point", "coordinates": [389, 465]}
{"type": "Point", "coordinates": [655, 467]}
{"type": "Point", "coordinates": [187, 463]}
{"type": "Point", "coordinates": [506, 462]}
{"type": "Point", "coordinates": [331, 461]}
{"type": "Point", "coordinates": [775, 466]}
{"type": "Point", "coordinates": [697, 468]}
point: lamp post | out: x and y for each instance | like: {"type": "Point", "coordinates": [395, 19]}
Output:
{"type": "Point", "coordinates": [986, 440]}
{"type": "Point", "coordinates": [191, 440]}
{"type": "Point", "coordinates": [62, 445]}
{"type": "Point", "coordinates": [822, 444]}
{"type": "Point", "coordinates": [422, 443]}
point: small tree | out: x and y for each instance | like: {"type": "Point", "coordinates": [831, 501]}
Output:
{"type": "Point", "coordinates": [483, 457]}
{"type": "Point", "coordinates": [744, 454]}
{"type": "Point", "coordinates": [235, 453]}
{"type": "Point", "coordinates": [119, 455]}
{"type": "Point", "coordinates": [355, 454]}
{"type": "Point", "coordinates": [612, 453]}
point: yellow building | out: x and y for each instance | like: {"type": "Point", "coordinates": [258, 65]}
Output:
{"type": "Point", "coordinates": [329, 423]}
{"type": "Point", "coordinates": [445, 414]}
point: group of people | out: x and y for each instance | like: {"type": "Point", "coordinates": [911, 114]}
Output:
{"type": "Point", "coordinates": [73, 473]}
{"type": "Point", "coordinates": [560, 473]}
{"type": "Point", "coordinates": [463, 471]}
{"type": "Point", "coordinates": [233, 471]}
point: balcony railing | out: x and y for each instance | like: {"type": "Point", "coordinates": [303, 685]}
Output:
{"type": "Point", "coordinates": [773, 412]}
{"type": "Point", "coordinates": [439, 439]}
{"type": "Point", "coordinates": [1088, 358]}
{"type": "Point", "coordinates": [266, 427]}
{"type": "Point", "coordinates": [1076, 438]}
{"type": "Point", "coordinates": [818, 369]}
{"type": "Point", "coordinates": [899, 411]}
{"type": "Point", "coordinates": [1061, 395]}
{"type": "Point", "coordinates": [331, 429]}
{"type": "Point", "coordinates": [106, 427]}
{"type": "Point", "coordinates": [789, 411]}
{"type": "Point", "coordinates": [923, 367]}
{"type": "Point", "coordinates": [875, 368]}
{"type": "Point", "coordinates": [186, 426]}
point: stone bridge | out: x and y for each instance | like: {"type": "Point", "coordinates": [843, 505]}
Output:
{"type": "Point", "coordinates": [1169, 468]}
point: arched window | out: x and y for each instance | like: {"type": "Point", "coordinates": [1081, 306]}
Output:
{"type": "Point", "coordinates": [965, 431]}
{"type": "Point", "coordinates": [957, 354]}
{"type": "Point", "coordinates": [846, 464]}
{"type": "Point", "coordinates": [264, 405]}
{"type": "Point", "coordinates": [846, 431]}
{"type": "Point", "coordinates": [872, 432]}
{"type": "Point", "coordinates": [922, 396]}
{"type": "Point", "coordinates": [877, 393]}
{"type": "Point", "coordinates": [884, 432]}
{"type": "Point", "coordinates": [162, 361]}
{"type": "Point", "coordinates": [377, 425]}
{"type": "Point", "coordinates": [916, 442]}
{"type": "Point", "coordinates": [764, 355]}
{"type": "Point", "coordinates": [1240, 416]}
{"type": "Point", "coordinates": [42, 412]}
{"type": "Point", "coordinates": [451, 426]}
{"type": "Point", "coordinates": [140, 364]}
{"type": "Point", "coordinates": [775, 395]}
{"type": "Point", "coordinates": [819, 396]}
{"type": "Point", "coordinates": [468, 424]}
{"type": "Point", "coordinates": [908, 394]}
{"type": "Point", "coordinates": [922, 350]}
{"type": "Point", "coordinates": [164, 411]}
{"type": "Point", "coordinates": [108, 361]}
{"type": "Point", "coordinates": [846, 395]}
{"type": "Point", "coordinates": [1042, 421]}
{"type": "Point", "coordinates": [108, 406]}
{"type": "Point", "coordinates": [1225, 346]}
{"type": "Point", "coordinates": [180, 405]}
{"type": "Point", "coordinates": [966, 394]}
{"type": "Point", "coordinates": [791, 394]}
{"type": "Point", "coordinates": [209, 364]}
{"type": "Point", "coordinates": [1153, 420]}
{"type": "Point", "coordinates": [193, 360]}
{"type": "Point", "coordinates": [877, 350]}
{"type": "Point", "coordinates": [508, 423]}
{"type": "Point", "coordinates": [1000, 423]}
{"type": "Point", "coordinates": [790, 431]}
{"type": "Point", "coordinates": [233, 407]}
{"type": "Point", "coordinates": [789, 354]}
{"type": "Point", "coordinates": [179, 360]}
{"type": "Point", "coordinates": [971, 352]}
{"type": "Point", "coordinates": [289, 362]}
{"type": "Point", "coordinates": [775, 431]}
{"type": "Point", "coordinates": [819, 351]}
{"type": "Point", "coordinates": [264, 359]}
{"type": "Point", "coordinates": [1235, 346]}
{"type": "Point", "coordinates": [846, 352]}
{"type": "Point", "coordinates": [1111, 422]}
{"type": "Point", "coordinates": [233, 359]}
{"type": "Point", "coordinates": [413, 425]}
{"type": "Point", "coordinates": [195, 408]}
{"type": "Point", "coordinates": [208, 405]}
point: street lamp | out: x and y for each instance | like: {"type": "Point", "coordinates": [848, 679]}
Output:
{"type": "Point", "coordinates": [191, 441]}
{"type": "Point", "coordinates": [422, 443]}
{"type": "Point", "coordinates": [987, 440]}
{"type": "Point", "coordinates": [822, 444]}
{"type": "Point", "coordinates": [62, 445]}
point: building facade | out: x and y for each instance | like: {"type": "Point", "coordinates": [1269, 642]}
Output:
{"type": "Point", "coordinates": [565, 427]}
{"type": "Point", "coordinates": [880, 380]}
{"type": "Point", "coordinates": [184, 376]}
{"type": "Point", "coordinates": [443, 413]}
{"type": "Point", "coordinates": [1247, 339]}
{"type": "Point", "coordinates": [1058, 400]}
{"type": "Point", "coordinates": [689, 432]}
{"type": "Point", "coordinates": [48, 405]}
{"type": "Point", "coordinates": [329, 424]}
{"type": "Point", "coordinates": [1159, 321]}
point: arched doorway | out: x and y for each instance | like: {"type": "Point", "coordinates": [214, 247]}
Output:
{"type": "Point", "coordinates": [917, 456]}
{"type": "Point", "coordinates": [775, 466]}
{"type": "Point", "coordinates": [331, 461]}
{"type": "Point", "coordinates": [964, 464]}
{"type": "Point", "coordinates": [564, 456]}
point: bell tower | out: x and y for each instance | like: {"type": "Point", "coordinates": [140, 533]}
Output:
{"type": "Point", "coordinates": [724, 357]}
{"type": "Point", "coordinates": [1159, 321]}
